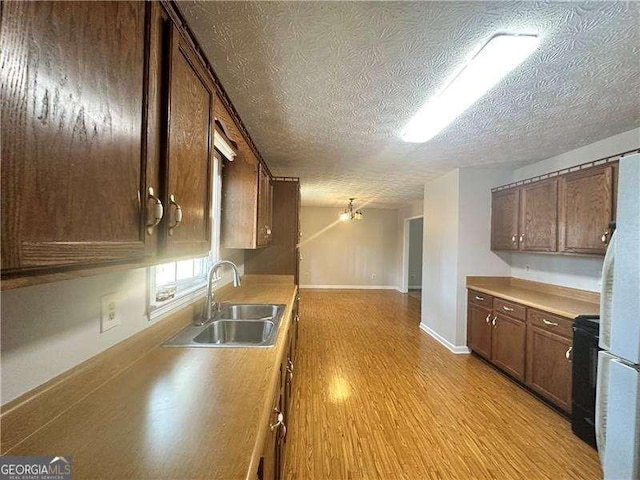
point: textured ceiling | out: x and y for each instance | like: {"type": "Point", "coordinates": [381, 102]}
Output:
{"type": "Point", "coordinates": [325, 87]}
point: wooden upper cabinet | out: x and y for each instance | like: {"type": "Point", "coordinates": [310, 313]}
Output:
{"type": "Point", "coordinates": [586, 206]}
{"type": "Point", "coordinates": [73, 174]}
{"type": "Point", "coordinates": [504, 219]}
{"type": "Point", "coordinates": [539, 216]}
{"type": "Point", "coordinates": [280, 257]}
{"type": "Point", "coordinates": [246, 193]}
{"type": "Point", "coordinates": [265, 205]}
{"type": "Point", "coordinates": [189, 152]}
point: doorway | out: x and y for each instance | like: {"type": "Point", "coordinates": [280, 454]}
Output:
{"type": "Point", "coordinates": [412, 257]}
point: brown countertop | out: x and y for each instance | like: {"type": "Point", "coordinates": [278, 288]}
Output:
{"type": "Point", "coordinates": [176, 412]}
{"type": "Point", "coordinates": [563, 301]}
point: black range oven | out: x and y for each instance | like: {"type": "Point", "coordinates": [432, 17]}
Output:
{"type": "Point", "coordinates": [585, 371]}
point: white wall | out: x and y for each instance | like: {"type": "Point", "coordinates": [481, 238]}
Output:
{"type": "Point", "coordinates": [350, 253]}
{"type": "Point", "coordinates": [440, 256]}
{"type": "Point", "coordinates": [415, 252]}
{"type": "Point", "coordinates": [575, 272]}
{"type": "Point", "coordinates": [48, 329]}
{"type": "Point", "coordinates": [457, 212]}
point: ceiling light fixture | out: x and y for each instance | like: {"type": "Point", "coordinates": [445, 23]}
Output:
{"type": "Point", "coordinates": [499, 56]}
{"type": "Point", "coordinates": [350, 213]}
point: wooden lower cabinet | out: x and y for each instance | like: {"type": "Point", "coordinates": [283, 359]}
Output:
{"type": "Point", "coordinates": [508, 345]}
{"type": "Point", "coordinates": [479, 330]}
{"type": "Point", "coordinates": [534, 349]}
{"type": "Point", "coordinates": [549, 366]}
{"type": "Point", "coordinates": [272, 462]}
{"type": "Point", "coordinates": [272, 459]}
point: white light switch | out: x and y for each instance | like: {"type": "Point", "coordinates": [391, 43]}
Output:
{"type": "Point", "coordinates": [108, 312]}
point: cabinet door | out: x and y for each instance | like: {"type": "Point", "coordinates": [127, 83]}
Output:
{"type": "Point", "coordinates": [549, 366]}
{"type": "Point", "coordinates": [479, 330]}
{"type": "Point", "coordinates": [280, 257]}
{"type": "Point", "coordinates": [72, 175]}
{"type": "Point", "coordinates": [265, 195]}
{"type": "Point", "coordinates": [585, 210]}
{"type": "Point", "coordinates": [271, 461]}
{"type": "Point", "coordinates": [504, 219]}
{"type": "Point", "coordinates": [189, 154]}
{"type": "Point", "coordinates": [508, 344]}
{"type": "Point", "coordinates": [539, 216]}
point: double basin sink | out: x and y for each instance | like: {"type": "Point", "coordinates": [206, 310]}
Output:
{"type": "Point", "coordinates": [235, 325]}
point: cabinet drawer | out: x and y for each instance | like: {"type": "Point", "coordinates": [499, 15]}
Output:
{"type": "Point", "coordinates": [481, 299]}
{"type": "Point", "coordinates": [508, 308]}
{"type": "Point", "coordinates": [552, 323]}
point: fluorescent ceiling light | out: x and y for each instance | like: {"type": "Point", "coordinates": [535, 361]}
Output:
{"type": "Point", "coordinates": [501, 54]}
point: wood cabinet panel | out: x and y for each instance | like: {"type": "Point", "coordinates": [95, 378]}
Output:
{"type": "Point", "coordinates": [480, 299]}
{"type": "Point", "coordinates": [552, 323]}
{"type": "Point", "coordinates": [479, 330]}
{"type": "Point", "coordinates": [271, 463]}
{"type": "Point", "coordinates": [189, 152]}
{"type": "Point", "coordinates": [539, 216]}
{"type": "Point", "coordinates": [265, 201]}
{"type": "Point", "coordinates": [505, 205]}
{"type": "Point", "coordinates": [508, 345]}
{"type": "Point", "coordinates": [73, 91]}
{"type": "Point", "coordinates": [585, 209]}
{"type": "Point", "coordinates": [549, 366]}
{"type": "Point", "coordinates": [512, 309]}
{"type": "Point", "coordinates": [280, 256]}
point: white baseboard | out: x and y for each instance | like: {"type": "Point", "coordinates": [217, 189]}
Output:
{"type": "Point", "coordinates": [352, 287]}
{"type": "Point", "coordinates": [444, 341]}
{"type": "Point", "coordinates": [415, 287]}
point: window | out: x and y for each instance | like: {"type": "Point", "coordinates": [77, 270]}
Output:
{"type": "Point", "coordinates": [175, 284]}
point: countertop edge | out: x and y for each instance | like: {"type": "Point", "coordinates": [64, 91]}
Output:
{"type": "Point", "coordinates": [498, 293]}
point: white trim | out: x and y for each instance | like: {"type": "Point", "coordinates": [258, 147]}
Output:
{"type": "Point", "coordinates": [444, 341]}
{"type": "Point", "coordinates": [404, 280]}
{"type": "Point", "coordinates": [155, 313]}
{"type": "Point", "coordinates": [221, 144]}
{"type": "Point", "coordinates": [352, 287]}
{"type": "Point", "coordinates": [415, 287]}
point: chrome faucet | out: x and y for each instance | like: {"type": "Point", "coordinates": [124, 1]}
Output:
{"type": "Point", "coordinates": [207, 310]}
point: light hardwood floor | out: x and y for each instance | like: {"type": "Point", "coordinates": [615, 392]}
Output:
{"type": "Point", "coordinates": [376, 398]}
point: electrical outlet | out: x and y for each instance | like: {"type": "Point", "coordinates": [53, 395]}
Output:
{"type": "Point", "coordinates": [527, 268]}
{"type": "Point", "coordinates": [108, 312]}
{"type": "Point", "coordinates": [373, 276]}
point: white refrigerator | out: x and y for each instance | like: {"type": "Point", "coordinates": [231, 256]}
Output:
{"type": "Point", "coordinates": [618, 382]}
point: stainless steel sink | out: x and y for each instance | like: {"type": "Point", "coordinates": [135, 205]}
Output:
{"type": "Point", "coordinates": [246, 325]}
{"type": "Point", "coordinates": [239, 332]}
{"type": "Point", "coordinates": [247, 312]}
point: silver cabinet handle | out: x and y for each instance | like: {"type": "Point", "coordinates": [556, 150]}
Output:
{"type": "Point", "coordinates": [547, 322]}
{"type": "Point", "coordinates": [279, 423]}
{"type": "Point", "coordinates": [605, 236]}
{"type": "Point", "coordinates": [493, 322]}
{"type": "Point", "coordinates": [158, 211]}
{"type": "Point", "coordinates": [514, 238]}
{"type": "Point", "coordinates": [478, 297]}
{"type": "Point", "coordinates": [290, 370]}
{"type": "Point", "coordinates": [178, 217]}
{"type": "Point", "coordinates": [267, 230]}
{"type": "Point", "coordinates": [521, 237]}
{"type": "Point", "coordinates": [488, 319]}
{"type": "Point", "coordinates": [568, 353]}
{"type": "Point", "coordinates": [507, 309]}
